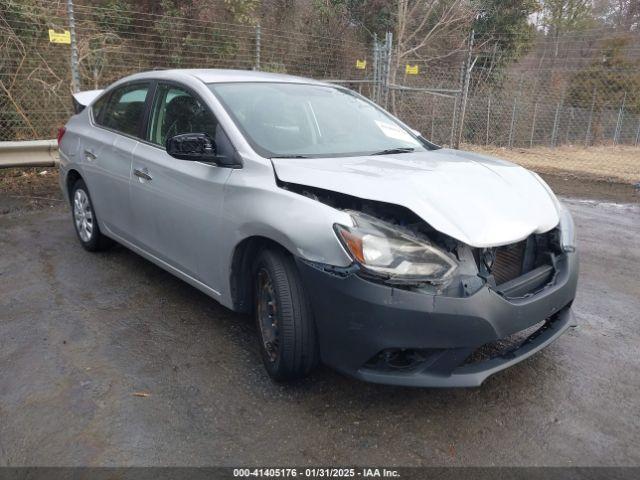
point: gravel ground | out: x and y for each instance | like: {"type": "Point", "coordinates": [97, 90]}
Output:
{"type": "Point", "coordinates": [108, 360]}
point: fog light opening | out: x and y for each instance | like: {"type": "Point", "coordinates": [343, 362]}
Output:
{"type": "Point", "coordinates": [399, 359]}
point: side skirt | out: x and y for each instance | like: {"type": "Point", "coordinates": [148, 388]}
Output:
{"type": "Point", "coordinates": [165, 266]}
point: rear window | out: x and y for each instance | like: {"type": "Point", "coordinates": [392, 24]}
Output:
{"type": "Point", "coordinates": [124, 110]}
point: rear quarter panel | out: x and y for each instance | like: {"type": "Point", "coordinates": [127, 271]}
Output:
{"type": "Point", "coordinates": [69, 148]}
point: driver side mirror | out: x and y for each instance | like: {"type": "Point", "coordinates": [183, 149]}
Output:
{"type": "Point", "coordinates": [196, 147]}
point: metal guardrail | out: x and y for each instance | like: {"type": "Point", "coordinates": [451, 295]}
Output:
{"type": "Point", "coordinates": [30, 153]}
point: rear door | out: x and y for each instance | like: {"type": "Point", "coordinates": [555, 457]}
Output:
{"type": "Point", "coordinates": [175, 203]}
{"type": "Point", "coordinates": [107, 154]}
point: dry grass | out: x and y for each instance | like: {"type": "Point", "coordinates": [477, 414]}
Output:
{"type": "Point", "coordinates": [29, 188]}
{"type": "Point", "coordinates": [615, 164]}
{"type": "Point", "coordinates": [26, 181]}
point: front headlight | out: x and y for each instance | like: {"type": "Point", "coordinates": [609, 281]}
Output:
{"type": "Point", "coordinates": [385, 251]}
{"type": "Point", "coordinates": [567, 229]}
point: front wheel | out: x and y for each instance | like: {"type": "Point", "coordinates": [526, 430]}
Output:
{"type": "Point", "coordinates": [84, 219]}
{"type": "Point", "coordinates": [284, 318]}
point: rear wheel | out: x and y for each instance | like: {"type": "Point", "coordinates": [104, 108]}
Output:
{"type": "Point", "coordinates": [84, 219]}
{"type": "Point", "coordinates": [284, 318]}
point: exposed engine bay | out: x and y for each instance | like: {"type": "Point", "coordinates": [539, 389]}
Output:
{"type": "Point", "coordinates": [516, 270]}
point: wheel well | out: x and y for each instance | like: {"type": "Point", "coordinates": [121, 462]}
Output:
{"type": "Point", "coordinates": [241, 270]}
{"type": "Point", "coordinates": [72, 177]}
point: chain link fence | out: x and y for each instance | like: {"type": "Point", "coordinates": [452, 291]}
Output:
{"type": "Point", "coordinates": [578, 90]}
{"type": "Point", "coordinates": [567, 104]}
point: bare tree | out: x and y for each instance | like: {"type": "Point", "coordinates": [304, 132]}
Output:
{"type": "Point", "coordinates": [22, 69]}
{"type": "Point", "coordinates": [428, 31]}
{"type": "Point", "coordinates": [561, 16]}
{"type": "Point", "coordinates": [11, 47]}
{"type": "Point", "coordinates": [620, 14]}
{"type": "Point", "coordinates": [94, 53]}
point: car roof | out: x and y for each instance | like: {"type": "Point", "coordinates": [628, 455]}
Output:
{"type": "Point", "coordinates": [215, 75]}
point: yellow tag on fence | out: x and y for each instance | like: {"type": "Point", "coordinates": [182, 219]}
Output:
{"type": "Point", "coordinates": [411, 69]}
{"type": "Point", "coordinates": [361, 64]}
{"type": "Point", "coordinates": [55, 37]}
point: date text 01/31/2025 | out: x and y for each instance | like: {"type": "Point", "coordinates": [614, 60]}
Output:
{"type": "Point", "coordinates": [315, 472]}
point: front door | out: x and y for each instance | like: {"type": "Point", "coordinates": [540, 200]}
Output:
{"type": "Point", "coordinates": [176, 203]}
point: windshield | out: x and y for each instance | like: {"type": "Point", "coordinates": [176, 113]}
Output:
{"type": "Point", "coordinates": [299, 120]}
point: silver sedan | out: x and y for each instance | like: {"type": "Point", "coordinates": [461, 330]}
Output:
{"type": "Point", "coordinates": [350, 238]}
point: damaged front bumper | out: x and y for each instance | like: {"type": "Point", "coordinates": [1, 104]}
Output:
{"type": "Point", "coordinates": [431, 338]}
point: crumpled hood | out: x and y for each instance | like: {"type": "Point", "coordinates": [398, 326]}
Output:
{"type": "Point", "coordinates": [478, 200]}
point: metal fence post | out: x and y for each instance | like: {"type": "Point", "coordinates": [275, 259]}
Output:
{"type": "Point", "coordinates": [488, 119]}
{"type": "Point", "coordinates": [555, 126]}
{"type": "Point", "coordinates": [593, 104]}
{"type": "Point", "coordinates": [465, 93]}
{"type": "Point", "coordinates": [374, 85]}
{"type": "Point", "coordinates": [533, 124]}
{"type": "Point", "coordinates": [616, 134]}
{"type": "Point", "coordinates": [382, 55]}
{"type": "Point", "coordinates": [573, 115]}
{"type": "Point", "coordinates": [433, 118]}
{"type": "Point", "coordinates": [637, 133]}
{"type": "Point", "coordinates": [453, 120]}
{"type": "Point", "coordinates": [258, 46]}
{"type": "Point", "coordinates": [387, 73]}
{"type": "Point", "coordinates": [513, 121]}
{"type": "Point", "coordinates": [75, 74]}
{"type": "Point", "coordinates": [457, 103]}
{"type": "Point", "coordinates": [383, 69]}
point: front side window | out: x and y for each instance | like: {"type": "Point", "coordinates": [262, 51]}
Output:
{"type": "Point", "coordinates": [285, 119]}
{"type": "Point", "coordinates": [125, 109]}
{"type": "Point", "coordinates": [176, 111]}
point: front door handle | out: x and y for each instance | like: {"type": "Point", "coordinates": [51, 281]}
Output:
{"type": "Point", "coordinates": [90, 155]}
{"type": "Point", "coordinates": [144, 174]}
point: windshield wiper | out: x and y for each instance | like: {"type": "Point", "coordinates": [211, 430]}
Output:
{"type": "Point", "coordinates": [390, 151]}
{"type": "Point", "coordinates": [291, 156]}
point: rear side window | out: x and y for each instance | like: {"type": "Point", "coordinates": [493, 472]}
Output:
{"type": "Point", "coordinates": [98, 107]}
{"type": "Point", "coordinates": [125, 109]}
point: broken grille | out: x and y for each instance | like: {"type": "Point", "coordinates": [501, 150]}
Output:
{"type": "Point", "coordinates": [508, 262]}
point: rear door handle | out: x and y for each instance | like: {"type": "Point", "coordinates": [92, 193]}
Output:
{"type": "Point", "coordinates": [144, 174]}
{"type": "Point", "coordinates": [90, 155]}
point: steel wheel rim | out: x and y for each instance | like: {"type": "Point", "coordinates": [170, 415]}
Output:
{"type": "Point", "coordinates": [268, 315]}
{"type": "Point", "coordinates": [83, 215]}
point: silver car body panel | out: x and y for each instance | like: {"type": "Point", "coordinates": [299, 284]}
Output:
{"type": "Point", "coordinates": [192, 216]}
{"type": "Point", "coordinates": [176, 215]}
{"type": "Point", "coordinates": [482, 202]}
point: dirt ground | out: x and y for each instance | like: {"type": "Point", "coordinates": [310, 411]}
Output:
{"type": "Point", "coordinates": [108, 360]}
{"type": "Point", "coordinates": [28, 189]}
{"type": "Point", "coordinates": [617, 164]}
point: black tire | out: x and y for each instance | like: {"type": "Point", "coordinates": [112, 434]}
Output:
{"type": "Point", "coordinates": [296, 354]}
{"type": "Point", "coordinates": [94, 240]}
